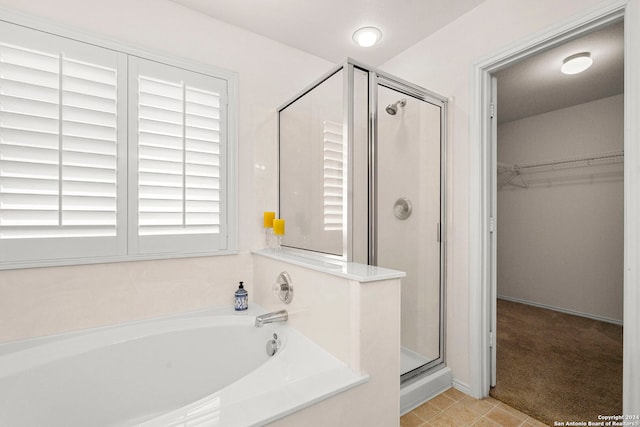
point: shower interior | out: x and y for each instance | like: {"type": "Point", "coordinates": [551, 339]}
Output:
{"type": "Point", "coordinates": [361, 178]}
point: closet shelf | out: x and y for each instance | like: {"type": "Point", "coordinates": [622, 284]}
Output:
{"type": "Point", "coordinates": [568, 162]}
{"type": "Point", "coordinates": [507, 172]}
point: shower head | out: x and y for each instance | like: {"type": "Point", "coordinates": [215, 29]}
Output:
{"type": "Point", "coordinates": [393, 108]}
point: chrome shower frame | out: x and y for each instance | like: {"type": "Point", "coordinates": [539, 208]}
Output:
{"type": "Point", "coordinates": [378, 78]}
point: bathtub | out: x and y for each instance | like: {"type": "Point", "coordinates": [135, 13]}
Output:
{"type": "Point", "coordinates": [205, 369]}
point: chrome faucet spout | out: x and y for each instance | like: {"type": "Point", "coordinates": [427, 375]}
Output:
{"type": "Point", "coordinates": [275, 316]}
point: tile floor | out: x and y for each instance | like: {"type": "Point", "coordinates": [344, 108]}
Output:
{"type": "Point", "coordinates": [456, 409]}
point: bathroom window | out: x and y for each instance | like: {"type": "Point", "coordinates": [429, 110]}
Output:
{"type": "Point", "coordinates": [105, 156]}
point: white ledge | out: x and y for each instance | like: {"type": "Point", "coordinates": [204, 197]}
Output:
{"type": "Point", "coordinates": [348, 270]}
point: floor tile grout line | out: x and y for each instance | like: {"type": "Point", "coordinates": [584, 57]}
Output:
{"type": "Point", "coordinates": [494, 403]}
{"type": "Point", "coordinates": [440, 411]}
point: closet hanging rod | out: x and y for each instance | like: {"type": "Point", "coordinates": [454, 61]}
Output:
{"type": "Point", "coordinates": [601, 158]}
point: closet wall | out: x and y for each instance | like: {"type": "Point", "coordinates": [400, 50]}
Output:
{"type": "Point", "coordinates": [560, 232]}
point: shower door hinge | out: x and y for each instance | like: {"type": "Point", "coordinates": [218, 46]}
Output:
{"type": "Point", "coordinates": [492, 225]}
{"type": "Point", "coordinates": [492, 110]}
{"type": "Point", "coordinates": [491, 339]}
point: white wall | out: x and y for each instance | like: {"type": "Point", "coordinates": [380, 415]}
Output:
{"type": "Point", "coordinates": [443, 64]}
{"type": "Point", "coordinates": [560, 241]}
{"type": "Point", "coordinates": [42, 301]}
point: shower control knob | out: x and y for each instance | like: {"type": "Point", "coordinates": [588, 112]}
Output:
{"type": "Point", "coordinates": [402, 208]}
{"type": "Point", "coordinates": [283, 288]}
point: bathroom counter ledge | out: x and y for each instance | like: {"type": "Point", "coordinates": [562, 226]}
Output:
{"type": "Point", "coordinates": [348, 270]}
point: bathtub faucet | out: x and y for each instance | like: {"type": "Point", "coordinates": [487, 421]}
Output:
{"type": "Point", "coordinates": [275, 316]}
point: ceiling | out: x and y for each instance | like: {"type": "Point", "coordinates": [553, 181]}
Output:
{"type": "Point", "coordinates": [324, 27]}
{"type": "Point", "coordinates": [535, 85]}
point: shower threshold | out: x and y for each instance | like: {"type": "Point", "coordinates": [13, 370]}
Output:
{"type": "Point", "coordinates": [410, 360]}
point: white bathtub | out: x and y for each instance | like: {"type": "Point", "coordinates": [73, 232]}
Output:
{"type": "Point", "coordinates": [209, 369]}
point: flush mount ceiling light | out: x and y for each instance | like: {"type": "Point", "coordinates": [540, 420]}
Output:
{"type": "Point", "coordinates": [577, 63]}
{"type": "Point", "coordinates": [367, 36]}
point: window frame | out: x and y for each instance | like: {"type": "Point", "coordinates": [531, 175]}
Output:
{"type": "Point", "coordinates": [229, 200]}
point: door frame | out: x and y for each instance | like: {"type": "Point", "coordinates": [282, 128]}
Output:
{"type": "Point", "coordinates": [482, 168]}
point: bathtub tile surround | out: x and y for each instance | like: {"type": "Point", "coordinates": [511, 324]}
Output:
{"type": "Point", "coordinates": [44, 301]}
{"type": "Point", "coordinates": [355, 317]}
{"type": "Point", "coordinates": [320, 312]}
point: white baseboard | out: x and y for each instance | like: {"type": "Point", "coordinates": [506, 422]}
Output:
{"type": "Point", "coordinates": [424, 388]}
{"type": "Point", "coordinates": [463, 388]}
{"type": "Point", "coordinates": [562, 310]}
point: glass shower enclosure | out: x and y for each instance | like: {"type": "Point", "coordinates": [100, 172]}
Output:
{"type": "Point", "coordinates": [361, 178]}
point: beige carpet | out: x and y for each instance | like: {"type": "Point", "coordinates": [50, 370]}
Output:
{"type": "Point", "coordinates": [555, 366]}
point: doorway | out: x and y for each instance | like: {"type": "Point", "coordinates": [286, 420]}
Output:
{"type": "Point", "coordinates": [559, 231]}
{"type": "Point", "coordinates": [483, 159]}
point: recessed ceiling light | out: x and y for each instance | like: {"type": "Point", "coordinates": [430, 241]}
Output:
{"type": "Point", "coordinates": [577, 63]}
{"type": "Point", "coordinates": [367, 36]}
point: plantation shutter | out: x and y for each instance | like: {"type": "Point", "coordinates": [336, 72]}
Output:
{"type": "Point", "coordinates": [333, 166]}
{"type": "Point", "coordinates": [59, 131]}
{"type": "Point", "coordinates": [180, 129]}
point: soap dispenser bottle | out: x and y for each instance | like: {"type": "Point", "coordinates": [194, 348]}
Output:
{"type": "Point", "coordinates": [241, 298]}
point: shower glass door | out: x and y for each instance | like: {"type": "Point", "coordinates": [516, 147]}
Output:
{"type": "Point", "coordinates": [408, 216]}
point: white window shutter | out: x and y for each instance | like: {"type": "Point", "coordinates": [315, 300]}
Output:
{"type": "Point", "coordinates": [333, 169]}
{"type": "Point", "coordinates": [89, 147]}
{"type": "Point", "coordinates": [180, 129]}
{"type": "Point", "coordinates": [105, 156]}
{"type": "Point", "coordinates": [30, 142]}
{"type": "Point", "coordinates": [59, 129]}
